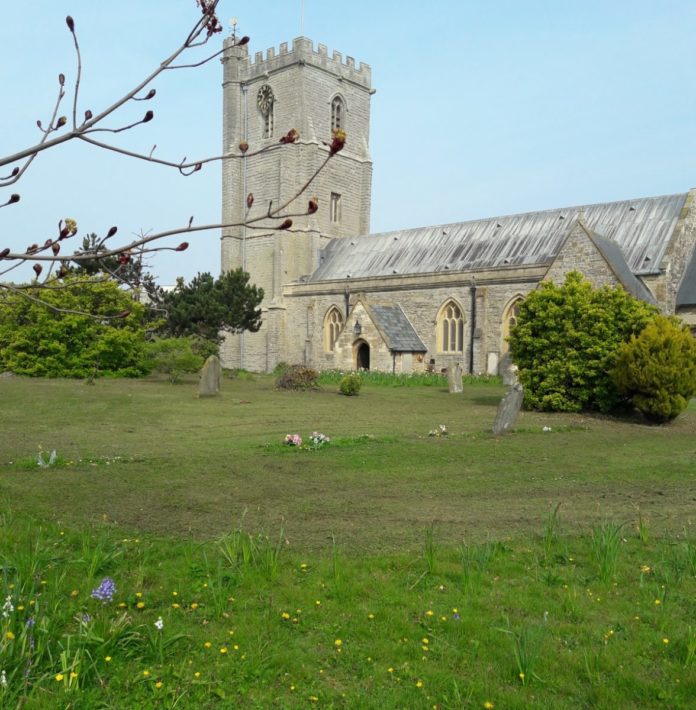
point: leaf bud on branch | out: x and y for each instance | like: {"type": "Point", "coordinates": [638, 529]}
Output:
{"type": "Point", "coordinates": [70, 23]}
{"type": "Point", "coordinates": [286, 224]}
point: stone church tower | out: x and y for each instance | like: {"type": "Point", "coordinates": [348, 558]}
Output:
{"type": "Point", "coordinates": [308, 90]}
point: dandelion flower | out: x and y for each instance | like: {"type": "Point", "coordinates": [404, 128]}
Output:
{"type": "Point", "coordinates": [665, 641]}
{"type": "Point", "coordinates": [138, 594]}
{"type": "Point", "coordinates": [140, 605]}
{"type": "Point", "coordinates": [146, 673]}
{"type": "Point", "coordinates": [159, 684]}
{"type": "Point", "coordinates": [223, 650]}
{"type": "Point", "coordinates": [194, 605]}
{"type": "Point", "coordinates": [419, 684]}
{"type": "Point", "coordinates": [207, 644]}
{"type": "Point", "coordinates": [430, 612]}
{"type": "Point", "coordinates": [338, 643]}
{"type": "Point", "coordinates": [285, 615]}
{"type": "Point", "coordinates": [9, 636]}
{"type": "Point", "coordinates": [488, 705]}
{"type": "Point", "coordinates": [657, 602]}
{"type": "Point", "coordinates": [370, 616]}
{"type": "Point", "coordinates": [59, 677]}
{"type": "Point", "coordinates": [175, 605]}
{"type": "Point", "coordinates": [197, 674]}
{"type": "Point", "coordinates": [74, 593]}
{"type": "Point", "coordinates": [107, 659]}
{"type": "Point", "coordinates": [522, 677]}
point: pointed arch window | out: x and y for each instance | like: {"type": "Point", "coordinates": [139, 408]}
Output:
{"type": "Point", "coordinates": [333, 324]}
{"type": "Point", "coordinates": [510, 316]}
{"type": "Point", "coordinates": [338, 113]}
{"type": "Point", "coordinates": [450, 328]}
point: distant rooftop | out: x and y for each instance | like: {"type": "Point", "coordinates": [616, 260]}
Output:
{"type": "Point", "coordinates": [641, 228]}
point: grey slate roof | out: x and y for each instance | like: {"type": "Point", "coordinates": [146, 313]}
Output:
{"type": "Point", "coordinates": [615, 258]}
{"type": "Point", "coordinates": [686, 296]}
{"type": "Point", "coordinates": [642, 228]}
{"type": "Point", "coordinates": [396, 329]}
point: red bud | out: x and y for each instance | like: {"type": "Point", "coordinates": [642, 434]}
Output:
{"type": "Point", "coordinates": [48, 243]}
{"type": "Point", "coordinates": [243, 41]}
{"type": "Point", "coordinates": [37, 270]}
{"type": "Point", "coordinates": [39, 124]}
{"type": "Point", "coordinates": [182, 247]}
{"type": "Point", "coordinates": [55, 248]}
{"type": "Point", "coordinates": [70, 23]}
{"type": "Point", "coordinates": [14, 171]}
{"type": "Point", "coordinates": [61, 122]}
{"type": "Point", "coordinates": [243, 147]}
{"type": "Point", "coordinates": [148, 117]}
{"type": "Point", "coordinates": [4, 253]}
{"type": "Point", "coordinates": [124, 258]}
{"type": "Point", "coordinates": [150, 94]}
{"type": "Point", "coordinates": [64, 233]}
{"type": "Point", "coordinates": [88, 115]}
{"type": "Point", "coordinates": [111, 232]}
{"type": "Point", "coordinates": [14, 197]}
{"type": "Point", "coordinates": [63, 271]}
{"type": "Point", "coordinates": [32, 248]}
{"type": "Point", "coordinates": [290, 137]}
{"type": "Point", "coordinates": [286, 224]}
{"type": "Point", "coordinates": [61, 79]}
{"type": "Point", "coordinates": [313, 205]}
{"type": "Point", "coordinates": [250, 200]}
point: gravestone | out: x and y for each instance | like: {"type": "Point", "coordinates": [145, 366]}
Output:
{"type": "Point", "coordinates": [508, 371]}
{"type": "Point", "coordinates": [209, 384]}
{"type": "Point", "coordinates": [508, 409]}
{"type": "Point", "coordinates": [454, 378]}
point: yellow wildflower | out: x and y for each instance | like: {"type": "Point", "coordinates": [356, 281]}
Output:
{"type": "Point", "coordinates": [59, 677]}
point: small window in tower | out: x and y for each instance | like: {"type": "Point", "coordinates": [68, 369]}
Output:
{"type": "Point", "coordinates": [338, 111]}
{"type": "Point", "coordinates": [335, 207]}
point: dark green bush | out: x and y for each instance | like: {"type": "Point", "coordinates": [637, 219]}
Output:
{"type": "Point", "coordinates": [566, 342]}
{"type": "Point", "coordinates": [298, 377]}
{"type": "Point", "coordinates": [350, 384]}
{"type": "Point", "coordinates": [656, 369]}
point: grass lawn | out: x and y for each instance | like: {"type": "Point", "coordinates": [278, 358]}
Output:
{"type": "Point", "coordinates": [387, 569]}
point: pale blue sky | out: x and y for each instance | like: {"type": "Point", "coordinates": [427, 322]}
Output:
{"type": "Point", "coordinates": [482, 108]}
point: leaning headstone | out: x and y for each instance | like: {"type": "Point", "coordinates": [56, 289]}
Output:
{"type": "Point", "coordinates": [454, 378]}
{"type": "Point", "coordinates": [209, 384]}
{"type": "Point", "coordinates": [508, 371]}
{"type": "Point", "coordinates": [508, 409]}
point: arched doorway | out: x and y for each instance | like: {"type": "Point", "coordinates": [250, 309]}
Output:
{"type": "Point", "coordinates": [362, 355]}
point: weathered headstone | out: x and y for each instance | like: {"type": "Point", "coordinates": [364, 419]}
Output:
{"type": "Point", "coordinates": [209, 384]}
{"type": "Point", "coordinates": [454, 378]}
{"type": "Point", "coordinates": [508, 409]}
{"type": "Point", "coordinates": [508, 371]}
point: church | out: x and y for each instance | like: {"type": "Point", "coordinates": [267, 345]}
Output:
{"type": "Point", "coordinates": [338, 297]}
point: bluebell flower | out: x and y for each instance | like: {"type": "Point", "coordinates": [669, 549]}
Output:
{"type": "Point", "coordinates": [105, 591]}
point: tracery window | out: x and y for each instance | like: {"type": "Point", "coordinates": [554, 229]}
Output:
{"type": "Point", "coordinates": [333, 324]}
{"type": "Point", "coordinates": [338, 113]}
{"type": "Point", "coordinates": [450, 328]}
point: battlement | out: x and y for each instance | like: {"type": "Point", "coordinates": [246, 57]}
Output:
{"type": "Point", "coordinates": [302, 52]}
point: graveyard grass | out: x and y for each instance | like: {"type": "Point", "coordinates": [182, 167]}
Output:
{"type": "Point", "coordinates": [387, 569]}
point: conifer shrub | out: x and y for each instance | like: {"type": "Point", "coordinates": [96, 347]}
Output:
{"type": "Point", "coordinates": [77, 327]}
{"type": "Point", "coordinates": [350, 384]}
{"type": "Point", "coordinates": [656, 369]}
{"type": "Point", "coordinates": [566, 342]}
{"type": "Point", "coordinates": [298, 377]}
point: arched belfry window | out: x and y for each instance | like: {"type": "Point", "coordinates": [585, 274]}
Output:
{"type": "Point", "coordinates": [510, 315]}
{"type": "Point", "coordinates": [333, 324]}
{"type": "Point", "coordinates": [265, 102]}
{"type": "Point", "coordinates": [338, 113]}
{"type": "Point", "coordinates": [450, 328]}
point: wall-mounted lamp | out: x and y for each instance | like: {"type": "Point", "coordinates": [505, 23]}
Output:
{"type": "Point", "coordinates": [357, 328]}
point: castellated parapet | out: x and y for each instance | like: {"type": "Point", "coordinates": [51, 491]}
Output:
{"type": "Point", "coordinates": [302, 52]}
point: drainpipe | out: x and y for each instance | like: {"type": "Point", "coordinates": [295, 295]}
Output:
{"type": "Point", "coordinates": [393, 363]}
{"type": "Point", "coordinates": [472, 329]}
